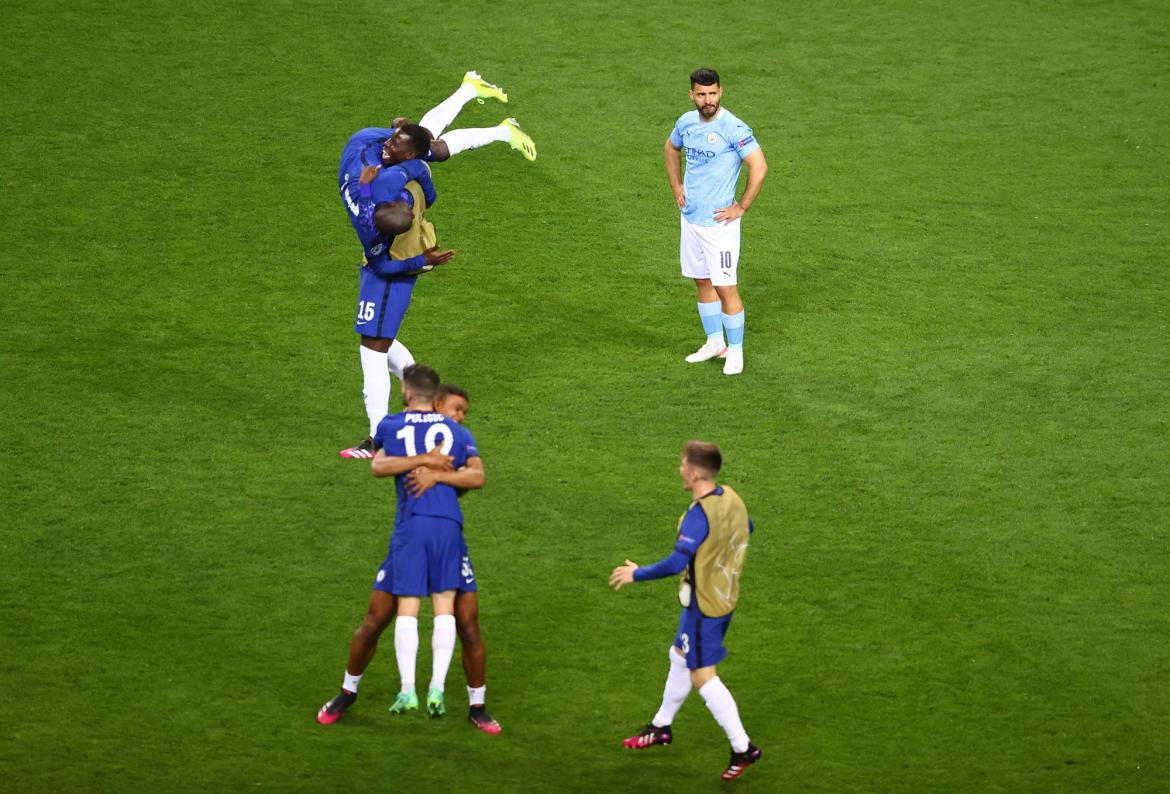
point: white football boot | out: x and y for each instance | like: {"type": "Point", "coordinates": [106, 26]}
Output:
{"type": "Point", "coordinates": [733, 365]}
{"type": "Point", "coordinates": [710, 349]}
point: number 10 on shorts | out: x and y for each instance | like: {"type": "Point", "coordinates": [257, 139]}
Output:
{"type": "Point", "coordinates": [365, 311]}
{"type": "Point", "coordinates": [725, 260]}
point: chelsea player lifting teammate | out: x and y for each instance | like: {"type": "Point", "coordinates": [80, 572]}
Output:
{"type": "Point", "coordinates": [381, 352]}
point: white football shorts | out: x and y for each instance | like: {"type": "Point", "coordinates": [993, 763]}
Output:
{"type": "Point", "coordinates": [710, 252]}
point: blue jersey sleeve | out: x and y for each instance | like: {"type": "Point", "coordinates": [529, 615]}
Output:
{"type": "Point", "coordinates": [420, 172]}
{"type": "Point", "coordinates": [669, 566]}
{"type": "Point", "coordinates": [693, 531]}
{"type": "Point", "coordinates": [388, 184]}
{"type": "Point", "coordinates": [470, 448]}
{"type": "Point", "coordinates": [676, 136]}
{"type": "Point", "coordinates": [384, 432]}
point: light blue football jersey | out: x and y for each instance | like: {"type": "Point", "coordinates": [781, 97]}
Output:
{"type": "Point", "coordinates": [714, 150]}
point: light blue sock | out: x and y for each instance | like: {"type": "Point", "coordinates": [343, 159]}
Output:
{"type": "Point", "coordinates": [734, 325]}
{"type": "Point", "coordinates": [711, 315]}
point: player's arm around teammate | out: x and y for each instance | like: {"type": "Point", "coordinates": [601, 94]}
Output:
{"type": "Point", "coordinates": [384, 465]}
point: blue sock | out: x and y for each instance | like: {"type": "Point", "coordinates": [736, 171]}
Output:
{"type": "Point", "coordinates": [711, 315]}
{"type": "Point", "coordinates": [734, 325]}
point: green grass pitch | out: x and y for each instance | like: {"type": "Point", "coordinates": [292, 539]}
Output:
{"type": "Point", "coordinates": [951, 430]}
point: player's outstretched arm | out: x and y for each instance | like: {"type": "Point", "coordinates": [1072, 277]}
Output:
{"type": "Point", "coordinates": [384, 465]}
{"type": "Point", "coordinates": [632, 572]}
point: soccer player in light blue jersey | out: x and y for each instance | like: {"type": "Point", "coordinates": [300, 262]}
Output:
{"type": "Point", "coordinates": [716, 143]}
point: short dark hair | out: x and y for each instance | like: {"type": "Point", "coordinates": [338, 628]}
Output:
{"type": "Point", "coordinates": [446, 389]}
{"type": "Point", "coordinates": [420, 138]}
{"type": "Point", "coordinates": [704, 77]}
{"type": "Point", "coordinates": [422, 380]}
{"type": "Point", "coordinates": [393, 218]}
{"type": "Point", "coordinates": [703, 455]}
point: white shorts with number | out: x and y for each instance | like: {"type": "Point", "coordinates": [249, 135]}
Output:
{"type": "Point", "coordinates": [710, 252]}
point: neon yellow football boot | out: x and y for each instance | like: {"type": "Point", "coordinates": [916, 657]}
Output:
{"type": "Point", "coordinates": [519, 140]}
{"type": "Point", "coordinates": [484, 89]}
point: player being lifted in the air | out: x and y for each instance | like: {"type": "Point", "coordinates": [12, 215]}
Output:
{"type": "Point", "coordinates": [711, 547]}
{"type": "Point", "coordinates": [382, 355]}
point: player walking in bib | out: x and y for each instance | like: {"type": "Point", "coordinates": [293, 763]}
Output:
{"type": "Point", "coordinates": [709, 551]}
{"type": "Point", "coordinates": [716, 143]}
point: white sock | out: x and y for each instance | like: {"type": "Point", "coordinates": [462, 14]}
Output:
{"type": "Point", "coordinates": [678, 686]}
{"type": "Point", "coordinates": [722, 706]}
{"type": "Point", "coordinates": [440, 117]}
{"type": "Point", "coordinates": [442, 649]}
{"type": "Point", "coordinates": [406, 649]}
{"type": "Point", "coordinates": [476, 695]}
{"type": "Point", "coordinates": [375, 386]}
{"type": "Point", "coordinates": [350, 684]}
{"type": "Point", "coordinates": [474, 137]}
{"type": "Point", "coordinates": [398, 358]}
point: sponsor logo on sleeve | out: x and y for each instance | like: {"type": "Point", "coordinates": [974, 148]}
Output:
{"type": "Point", "coordinates": [746, 141]}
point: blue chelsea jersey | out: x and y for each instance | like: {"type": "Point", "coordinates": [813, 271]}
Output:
{"type": "Point", "coordinates": [362, 149]}
{"type": "Point", "coordinates": [416, 433]}
{"type": "Point", "coordinates": [714, 150]}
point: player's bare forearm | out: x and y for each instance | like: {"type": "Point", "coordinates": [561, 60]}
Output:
{"type": "Point", "coordinates": [757, 170]}
{"type": "Point", "coordinates": [384, 465]}
{"type": "Point", "coordinates": [671, 159]}
{"type": "Point", "coordinates": [467, 478]}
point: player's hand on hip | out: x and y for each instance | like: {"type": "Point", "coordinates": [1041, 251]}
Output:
{"type": "Point", "coordinates": [369, 173]}
{"type": "Point", "coordinates": [420, 480]}
{"type": "Point", "coordinates": [680, 196]}
{"type": "Point", "coordinates": [433, 256]}
{"type": "Point", "coordinates": [623, 574]}
{"type": "Point", "coordinates": [728, 214]}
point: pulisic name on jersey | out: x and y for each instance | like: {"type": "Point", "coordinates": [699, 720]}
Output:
{"type": "Point", "coordinates": [424, 418]}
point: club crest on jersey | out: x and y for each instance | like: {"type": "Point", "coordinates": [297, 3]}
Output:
{"type": "Point", "coordinates": [712, 137]}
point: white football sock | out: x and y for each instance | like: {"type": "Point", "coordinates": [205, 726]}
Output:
{"type": "Point", "coordinates": [474, 137]}
{"type": "Point", "coordinates": [350, 684]}
{"type": "Point", "coordinates": [678, 686]}
{"type": "Point", "coordinates": [406, 649]}
{"type": "Point", "coordinates": [476, 695]}
{"type": "Point", "coordinates": [442, 649]}
{"type": "Point", "coordinates": [398, 358]}
{"type": "Point", "coordinates": [375, 386]}
{"type": "Point", "coordinates": [440, 117]}
{"type": "Point", "coordinates": [722, 706]}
